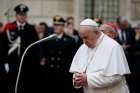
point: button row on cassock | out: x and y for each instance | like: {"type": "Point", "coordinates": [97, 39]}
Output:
{"type": "Point", "coordinates": [54, 66]}
{"type": "Point", "coordinates": [57, 59]}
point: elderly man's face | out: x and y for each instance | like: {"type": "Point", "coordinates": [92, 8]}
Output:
{"type": "Point", "coordinates": [88, 36]}
{"type": "Point", "coordinates": [105, 29]}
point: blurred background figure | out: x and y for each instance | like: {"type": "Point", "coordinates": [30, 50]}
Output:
{"type": "Point", "coordinates": [109, 29]}
{"type": "Point", "coordinates": [126, 37]}
{"type": "Point", "coordinates": [126, 33]}
{"type": "Point", "coordinates": [71, 31]}
{"type": "Point", "coordinates": [42, 31]}
{"type": "Point", "coordinates": [18, 35]}
{"type": "Point", "coordinates": [3, 61]}
{"type": "Point", "coordinates": [58, 54]}
{"type": "Point", "coordinates": [137, 31]}
{"type": "Point", "coordinates": [136, 61]}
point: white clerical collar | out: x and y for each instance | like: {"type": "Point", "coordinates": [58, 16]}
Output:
{"type": "Point", "coordinates": [41, 35]}
{"type": "Point", "coordinates": [100, 39]}
{"type": "Point", "coordinates": [59, 36]}
{"type": "Point", "coordinates": [19, 24]}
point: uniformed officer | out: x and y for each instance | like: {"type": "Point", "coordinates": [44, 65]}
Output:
{"type": "Point", "coordinates": [58, 53]}
{"type": "Point", "coordinates": [19, 34]}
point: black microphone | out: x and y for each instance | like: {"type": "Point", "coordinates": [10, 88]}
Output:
{"type": "Point", "coordinates": [50, 37]}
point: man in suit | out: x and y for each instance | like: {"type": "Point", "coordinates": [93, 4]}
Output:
{"type": "Point", "coordinates": [126, 38]}
{"type": "Point", "coordinates": [18, 35]}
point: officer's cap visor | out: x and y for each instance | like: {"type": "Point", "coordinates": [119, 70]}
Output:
{"type": "Point", "coordinates": [21, 13]}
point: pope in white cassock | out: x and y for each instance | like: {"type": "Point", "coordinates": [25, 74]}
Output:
{"type": "Point", "coordinates": [99, 66]}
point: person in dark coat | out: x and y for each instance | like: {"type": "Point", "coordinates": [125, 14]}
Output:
{"type": "Point", "coordinates": [53, 74]}
{"type": "Point", "coordinates": [2, 70]}
{"type": "Point", "coordinates": [137, 50]}
{"type": "Point", "coordinates": [126, 38]}
{"type": "Point", "coordinates": [58, 54]}
{"type": "Point", "coordinates": [136, 61]}
{"type": "Point", "coordinates": [3, 62]}
{"type": "Point", "coordinates": [42, 32]}
{"type": "Point", "coordinates": [72, 32]}
{"type": "Point", "coordinates": [18, 35]}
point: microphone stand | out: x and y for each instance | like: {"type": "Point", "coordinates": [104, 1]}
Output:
{"type": "Point", "coordinates": [53, 36]}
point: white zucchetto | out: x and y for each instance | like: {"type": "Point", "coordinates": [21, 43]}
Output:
{"type": "Point", "coordinates": [88, 22]}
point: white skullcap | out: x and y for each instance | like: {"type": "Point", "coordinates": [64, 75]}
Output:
{"type": "Point", "coordinates": [88, 22]}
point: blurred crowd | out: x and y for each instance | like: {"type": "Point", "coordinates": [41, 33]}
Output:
{"type": "Point", "coordinates": [45, 68]}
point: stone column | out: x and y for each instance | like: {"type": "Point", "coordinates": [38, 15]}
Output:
{"type": "Point", "coordinates": [79, 12]}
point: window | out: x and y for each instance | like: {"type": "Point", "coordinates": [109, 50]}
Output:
{"type": "Point", "coordinates": [135, 9]}
{"type": "Point", "coordinates": [107, 10]}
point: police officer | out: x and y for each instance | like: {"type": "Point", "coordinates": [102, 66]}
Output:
{"type": "Point", "coordinates": [58, 53]}
{"type": "Point", "coordinates": [19, 34]}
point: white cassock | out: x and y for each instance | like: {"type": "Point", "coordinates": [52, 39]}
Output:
{"type": "Point", "coordinates": [105, 66]}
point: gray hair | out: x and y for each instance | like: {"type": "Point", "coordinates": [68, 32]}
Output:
{"type": "Point", "coordinates": [109, 28]}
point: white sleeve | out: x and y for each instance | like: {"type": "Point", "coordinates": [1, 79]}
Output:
{"type": "Point", "coordinates": [97, 80]}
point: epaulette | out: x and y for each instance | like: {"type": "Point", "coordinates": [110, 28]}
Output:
{"type": "Point", "coordinates": [10, 26]}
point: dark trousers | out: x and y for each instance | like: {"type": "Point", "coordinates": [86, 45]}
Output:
{"type": "Point", "coordinates": [133, 83]}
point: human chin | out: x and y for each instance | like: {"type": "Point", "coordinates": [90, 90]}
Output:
{"type": "Point", "coordinates": [90, 45]}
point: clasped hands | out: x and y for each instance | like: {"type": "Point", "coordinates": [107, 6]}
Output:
{"type": "Point", "coordinates": [79, 79]}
